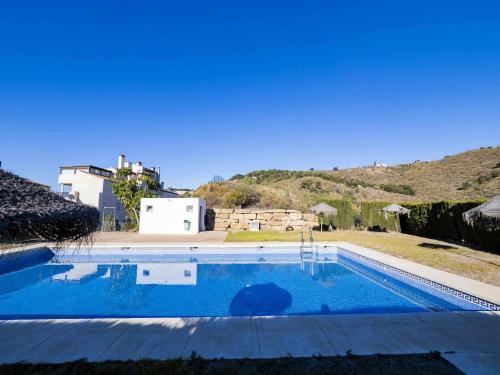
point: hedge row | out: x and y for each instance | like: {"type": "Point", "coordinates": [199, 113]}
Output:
{"type": "Point", "coordinates": [440, 220]}
{"type": "Point", "coordinates": [443, 220]}
{"type": "Point", "coordinates": [372, 216]}
{"type": "Point", "coordinates": [345, 213]}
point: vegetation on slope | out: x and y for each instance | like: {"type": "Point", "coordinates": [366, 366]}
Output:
{"type": "Point", "coordinates": [469, 175]}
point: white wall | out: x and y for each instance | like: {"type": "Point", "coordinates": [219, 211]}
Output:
{"type": "Point", "coordinates": [167, 215]}
{"type": "Point", "coordinates": [94, 191]}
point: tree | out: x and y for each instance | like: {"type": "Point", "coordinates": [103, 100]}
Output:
{"type": "Point", "coordinates": [129, 188]}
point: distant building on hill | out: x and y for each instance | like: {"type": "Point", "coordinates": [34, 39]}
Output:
{"type": "Point", "coordinates": [92, 185]}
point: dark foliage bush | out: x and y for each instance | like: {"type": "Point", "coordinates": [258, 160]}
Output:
{"type": "Point", "coordinates": [29, 211]}
{"type": "Point", "coordinates": [443, 220]}
{"type": "Point", "coordinates": [241, 197]}
{"type": "Point", "coordinates": [401, 189]}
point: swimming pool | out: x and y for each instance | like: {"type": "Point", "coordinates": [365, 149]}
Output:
{"type": "Point", "coordinates": [192, 282]}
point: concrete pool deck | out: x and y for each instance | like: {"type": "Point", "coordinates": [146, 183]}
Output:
{"type": "Point", "coordinates": [467, 339]}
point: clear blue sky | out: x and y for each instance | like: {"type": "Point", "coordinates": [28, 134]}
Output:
{"type": "Point", "coordinates": [208, 87]}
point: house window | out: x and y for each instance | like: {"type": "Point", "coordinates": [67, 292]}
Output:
{"type": "Point", "coordinates": [189, 208]}
{"type": "Point", "coordinates": [149, 208]}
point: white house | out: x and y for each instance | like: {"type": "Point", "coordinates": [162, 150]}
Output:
{"type": "Point", "coordinates": [92, 185]}
{"type": "Point", "coordinates": [172, 216]}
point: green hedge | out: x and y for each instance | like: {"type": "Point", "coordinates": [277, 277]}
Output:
{"type": "Point", "coordinates": [443, 220]}
{"type": "Point", "coordinates": [440, 220]}
{"type": "Point", "coordinates": [372, 216]}
{"type": "Point", "coordinates": [345, 212]}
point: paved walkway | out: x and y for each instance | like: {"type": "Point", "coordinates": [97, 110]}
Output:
{"type": "Point", "coordinates": [110, 238]}
{"type": "Point", "coordinates": [468, 339]}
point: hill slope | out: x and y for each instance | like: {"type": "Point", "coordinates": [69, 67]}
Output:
{"type": "Point", "coordinates": [472, 174]}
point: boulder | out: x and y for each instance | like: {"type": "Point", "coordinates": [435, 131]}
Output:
{"type": "Point", "coordinates": [279, 216]}
{"type": "Point", "coordinates": [265, 216]}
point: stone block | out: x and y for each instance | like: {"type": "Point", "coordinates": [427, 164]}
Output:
{"type": "Point", "coordinates": [240, 225]}
{"type": "Point", "coordinates": [241, 211]}
{"type": "Point", "coordinates": [250, 216]}
{"type": "Point", "coordinates": [310, 217]}
{"type": "Point", "coordinates": [226, 210]}
{"type": "Point", "coordinates": [279, 216]}
{"type": "Point", "coordinates": [295, 216]}
{"type": "Point", "coordinates": [222, 216]}
{"type": "Point", "coordinates": [265, 216]}
{"type": "Point", "coordinates": [236, 216]}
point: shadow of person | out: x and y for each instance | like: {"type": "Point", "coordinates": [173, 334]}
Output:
{"type": "Point", "coordinates": [259, 300]}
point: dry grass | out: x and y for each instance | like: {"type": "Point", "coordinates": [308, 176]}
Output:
{"type": "Point", "coordinates": [460, 260]}
{"type": "Point", "coordinates": [439, 179]}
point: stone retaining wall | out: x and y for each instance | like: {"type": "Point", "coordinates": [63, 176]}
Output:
{"type": "Point", "coordinates": [276, 220]}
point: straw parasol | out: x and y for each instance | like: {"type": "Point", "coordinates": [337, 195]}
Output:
{"type": "Point", "coordinates": [487, 214]}
{"type": "Point", "coordinates": [30, 211]}
{"type": "Point", "coordinates": [397, 210]}
{"type": "Point", "coordinates": [322, 209]}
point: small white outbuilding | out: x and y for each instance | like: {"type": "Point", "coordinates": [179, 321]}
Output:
{"type": "Point", "coordinates": [172, 215]}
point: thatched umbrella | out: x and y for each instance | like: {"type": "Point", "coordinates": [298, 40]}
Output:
{"type": "Point", "coordinates": [488, 214]}
{"type": "Point", "coordinates": [30, 211]}
{"type": "Point", "coordinates": [397, 210]}
{"type": "Point", "coordinates": [322, 209]}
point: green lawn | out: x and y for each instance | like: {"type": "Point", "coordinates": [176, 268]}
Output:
{"type": "Point", "coordinates": [415, 364]}
{"type": "Point", "coordinates": [464, 261]}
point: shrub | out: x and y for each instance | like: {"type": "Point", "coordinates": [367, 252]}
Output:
{"type": "Point", "coordinates": [270, 199]}
{"type": "Point", "coordinates": [488, 177]}
{"type": "Point", "coordinates": [401, 189]}
{"type": "Point", "coordinates": [314, 186]}
{"type": "Point", "coordinates": [243, 196]}
{"type": "Point", "coordinates": [466, 185]}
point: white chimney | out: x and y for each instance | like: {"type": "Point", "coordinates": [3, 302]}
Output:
{"type": "Point", "coordinates": [121, 161]}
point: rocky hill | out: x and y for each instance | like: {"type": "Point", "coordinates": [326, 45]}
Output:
{"type": "Point", "coordinates": [471, 174]}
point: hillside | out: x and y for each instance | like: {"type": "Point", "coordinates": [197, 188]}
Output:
{"type": "Point", "coordinates": [472, 174]}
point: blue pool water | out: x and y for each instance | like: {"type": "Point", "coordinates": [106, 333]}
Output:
{"type": "Point", "coordinates": [96, 287]}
